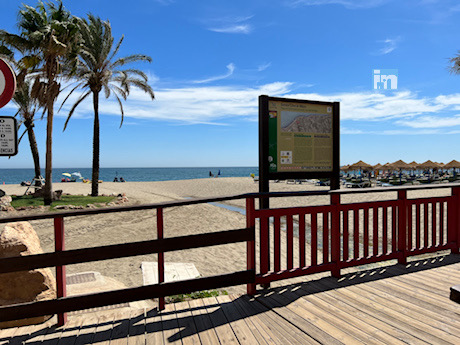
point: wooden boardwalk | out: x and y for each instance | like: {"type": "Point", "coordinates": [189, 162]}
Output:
{"type": "Point", "coordinates": [388, 305]}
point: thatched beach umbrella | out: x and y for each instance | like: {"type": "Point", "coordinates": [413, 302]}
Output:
{"type": "Point", "coordinates": [413, 164]}
{"type": "Point", "coordinates": [345, 168]}
{"type": "Point", "coordinates": [388, 166]}
{"type": "Point", "coordinates": [428, 165]}
{"type": "Point", "coordinates": [453, 164]}
{"type": "Point", "coordinates": [378, 166]}
{"type": "Point", "coordinates": [360, 166]}
{"type": "Point", "coordinates": [401, 165]}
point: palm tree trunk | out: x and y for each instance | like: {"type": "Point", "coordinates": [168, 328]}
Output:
{"type": "Point", "coordinates": [48, 189]}
{"type": "Point", "coordinates": [34, 150]}
{"type": "Point", "coordinates": [96, 145]}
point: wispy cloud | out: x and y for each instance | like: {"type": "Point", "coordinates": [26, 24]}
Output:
{"type": "Point", "coordinates": [230, 70]}
{"type": "Point", "coordinates": [352, 4]}
{"type": "Point", "coordinates": [232, 25]}
{"type": "Point", "coordinates": [263, 67]}
{"type": "Point", "coordinates": [389, 45]}
{"type": "Point", "coordinates": [234, 29]}
{"type": "Point", "coordinates": [432, 122]}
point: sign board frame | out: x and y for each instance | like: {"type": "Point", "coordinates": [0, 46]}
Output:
{"type": "Point", "coordinates": [264, 172]}
{"type": "Point", "coordinates": [10, 83]}
{"type": "Point", "coordinates": [9, 136]}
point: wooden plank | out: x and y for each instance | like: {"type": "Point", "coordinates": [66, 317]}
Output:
{"type": "Point", "coordinates": [153, 327]}
{"type": "Point", "coordinates": [137, 327]}
{"type": "Point", "coordinates": [398, 318]}
{"type": "Point", "coordinates": [308, 319]}
{"type": "Point", "coordinates": [203, 323]}
{"type": "Point", "coordinates": [171, 330]}
{"type": "Point", "coordinates": [375, 231]}
{"type": "Point", "coordinates": [406, 332]}
{"type": "Point", "coordinates": [385, 231]}
{"type": "Point", "coordinates": [188, 331]}
{"type": "Point", "coordinates": [406, 301]}
{"type": "Point", "coordinates": [411, 315]}
{"type": "Point", "coordinates": [433, 224]}
{"type": "Point", "coordinates": [115, 251]}
{"type": "Point", "coordinates": [394, 235]}
{"type": "Point", "coordinates": [394, 334]}
{"type": "Point", "coordinates": [236, 320]}
{"type": "Point", "coordinates": [257, 328]}
{"type": "Point", "coordinates": [70, 331]}
{"type": "Point", "coordinates": [429, 297]}
{"type": "Point", "coordinates": [264, 248]}
{"type": "Point", "coordinates": [28, 334]}
{"type": "Point", "coordinates": [277, 328]}
{"type": "Point", "coordinates": [346, 321]}
{"type": "Point", "coordinates": [87, 329]}
{"type": "Point", "coordinates": [120, 330]}
{"type": "Point", "coordinates": [219, 321]}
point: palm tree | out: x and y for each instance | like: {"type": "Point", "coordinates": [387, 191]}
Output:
{"type": "Point", "coordinates": [100, 71]}
{"type": "Point", "coordinates": [455, 67]}
{"type": "Point", "coordinates": [49, 40]}
{"type": "Point", "coordinates": [27, 107]}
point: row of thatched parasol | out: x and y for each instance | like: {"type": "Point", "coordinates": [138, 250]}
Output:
{"type": "Point", "coordinates": [401, 165]}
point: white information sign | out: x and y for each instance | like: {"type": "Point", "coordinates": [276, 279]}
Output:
{"type": "Point", "coordinates": [8, 136]}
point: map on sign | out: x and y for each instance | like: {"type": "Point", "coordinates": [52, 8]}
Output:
{"type": "Point", "coordinates": [300, 136]}
{"type": "Point", "coordinates": [304, 122]}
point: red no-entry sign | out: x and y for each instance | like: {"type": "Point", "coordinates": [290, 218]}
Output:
{"type": "Point", "coordinates": [7, 83]}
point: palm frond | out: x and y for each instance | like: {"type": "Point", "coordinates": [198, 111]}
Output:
{"type": "Point", "coordinates": [81, 99]}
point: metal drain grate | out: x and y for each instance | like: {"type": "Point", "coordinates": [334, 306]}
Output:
{"type": "Point", "coordinates": [81, 278]}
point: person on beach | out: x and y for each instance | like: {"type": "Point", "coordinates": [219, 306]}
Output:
{"type": "Point", "coordinates": [122, 179]}
{"type": "Point", "coordinates": [115, 179]}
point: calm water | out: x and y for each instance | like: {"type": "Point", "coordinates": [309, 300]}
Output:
{"type": "Point", "coordinates": [13, 176]}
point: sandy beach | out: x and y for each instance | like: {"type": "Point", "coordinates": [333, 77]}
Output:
{"type": "Point", "coordinates": [87, 231]}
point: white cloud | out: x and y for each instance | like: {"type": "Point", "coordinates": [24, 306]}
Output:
{"type": "Point", "coordinates": [233, 29]}
{"type": "Point", "coordinates": [230, 70]}
{"type": "Point", "coordinates": [231, 25]}
{"type": "Point", "coordinates": [263, 67]}
{"type": "Point", "coordinates": [405, 111]}
{"type": "Point", "coordinates": [431, 122]}
{"type": "Point", "coordinates": [346, 3]}
{"type": "Point", "coordinates": [390, 44]}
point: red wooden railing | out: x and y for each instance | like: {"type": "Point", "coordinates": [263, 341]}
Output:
{"type": "Point", "coordinates": [343, 235]}
{"type": "Point", "coordinates": [309, 240]}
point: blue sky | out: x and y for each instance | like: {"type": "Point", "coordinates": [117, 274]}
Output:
{"type": "Point", "coordinates": [213, 58]}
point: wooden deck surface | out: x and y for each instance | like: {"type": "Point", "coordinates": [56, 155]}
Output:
{"type": "Point", "coordinates": [388, 305]}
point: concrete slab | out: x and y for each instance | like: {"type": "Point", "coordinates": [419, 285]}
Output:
{"type": "Point", "coordinates": [174, 271]}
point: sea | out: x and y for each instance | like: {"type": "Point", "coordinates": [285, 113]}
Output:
{"type": "Point", "coordinates": [13, 176]}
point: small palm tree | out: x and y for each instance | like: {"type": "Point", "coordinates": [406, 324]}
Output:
{"type": "Point", "coordinates": [48, 40]}
{"type": "Point", "coordinates": [100, 71]}
{"type": "Point", "coordinates": [27, 107]}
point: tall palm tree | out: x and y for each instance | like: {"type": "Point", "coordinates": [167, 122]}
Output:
{"type": "Point", "coordinates": [100, 71]}
{"type": "Point", "coordinates": [49, 40]}
{"type": "Point", "coordinates": [27, 107]}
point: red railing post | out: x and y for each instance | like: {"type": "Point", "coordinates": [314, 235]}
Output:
{"type": "Point", "coordinates": [402, 227]}
{"type": "Point", "coordinates": [161, 258]}
{"type": "Point", "coordinates": [335, 234]}
{"type": "Point", "coordinates": [251, 245]}
{"type": "Point", "coordinates": [453, 229]}
{"type": "Point", "coordinates": [59, 246]}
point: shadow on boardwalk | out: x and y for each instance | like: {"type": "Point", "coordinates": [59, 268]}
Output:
{"type": "Point", "coordinates": [280, 313]}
